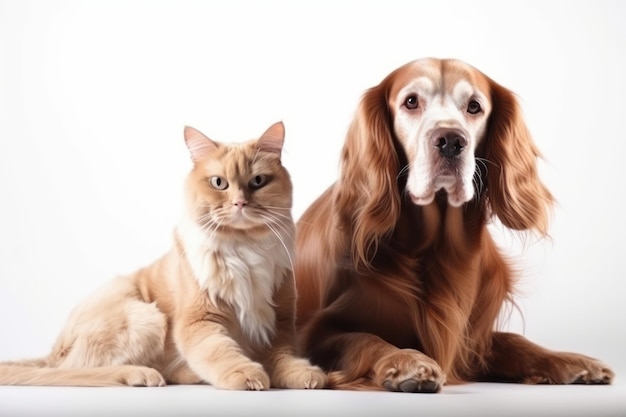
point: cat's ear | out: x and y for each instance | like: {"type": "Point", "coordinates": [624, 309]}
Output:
{"type": "Point", "coordinates": [198, 144]}
{"type": "Point", "coordinates": [273, 138]}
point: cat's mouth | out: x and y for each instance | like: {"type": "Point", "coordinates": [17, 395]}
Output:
{"type": "Point", "coordinates": [243, 218]}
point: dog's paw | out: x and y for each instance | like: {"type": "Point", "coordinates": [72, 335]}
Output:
{"type": "Point", "coordinates": [249, 377]}
{"type": "Point", "coordinates": [408, 370]}
{"type": "Point", "coordinates": [141, 376]}
{"type": "Point", "coordinates": [571, 368]}
{"type": "Point", "coordinates": [597, 374]}
{"type": "Point", "coordinates": [297, 373]}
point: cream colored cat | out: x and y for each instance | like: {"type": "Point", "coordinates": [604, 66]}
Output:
{"type": "Point", "coordinates": [218, 308]}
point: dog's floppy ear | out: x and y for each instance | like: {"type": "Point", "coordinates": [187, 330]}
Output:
{"type": "Point", "coordinates": [367, 194]}
{"type": "Point", "coordinates": [516, 194]}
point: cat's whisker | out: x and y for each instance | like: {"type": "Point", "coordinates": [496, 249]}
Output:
{"type": "Point", "coordinates": [276, 221]}
{"type": "Point", "coordinates": [206, 221]}
{"type": "Point", "coordinates": [269, 210]}
{"type": "Point", "coordinates": [276, 208]}
{"type": "Point", "coordinates": [286, 217]}
{"type": "Point", "coordinates": [211, 227]}
{"type": "Point", "coordinates": [278, 217]}
{"type": "Point", "coordinates": [206, 217]}
{"type": "Point", "coordinates": [255, 156]}
{"type": "Point", "coordinates": [283, 224]}
{"type": "Point", "coordinates": [280, 238]}
{"type": "Point", "coordinates": [284, 233]}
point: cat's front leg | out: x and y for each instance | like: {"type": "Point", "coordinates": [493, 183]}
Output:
{"type": "Point", "coordinates": [286, 369]}
{"type": "Point", "coordinates": [217, 358]}
{"type": "Point", "coordinates": [245, 375]}
{"type": "Point", "coordinates": [289, 371]}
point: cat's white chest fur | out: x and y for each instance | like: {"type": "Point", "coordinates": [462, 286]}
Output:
{"type": "Point", "coordinates": [242, 272]}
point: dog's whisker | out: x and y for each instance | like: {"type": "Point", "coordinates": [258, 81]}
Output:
{"type": "Point", "coordinates": [403, 171]}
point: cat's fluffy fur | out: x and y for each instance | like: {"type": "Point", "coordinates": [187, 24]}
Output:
{"type": "Point", "coordinates": [218, 308]}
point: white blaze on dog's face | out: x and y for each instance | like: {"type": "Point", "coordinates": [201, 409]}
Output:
{"type": "Point", "coordinates": [440, 111]}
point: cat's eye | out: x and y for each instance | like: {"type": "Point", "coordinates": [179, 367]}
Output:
{"type": "Point", "coordinates": [219, 183]}
{"type": "Point", "coordinates": [258, 181]}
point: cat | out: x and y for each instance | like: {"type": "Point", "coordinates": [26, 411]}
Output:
{"type": "Point", "coordinates": [218, 308]}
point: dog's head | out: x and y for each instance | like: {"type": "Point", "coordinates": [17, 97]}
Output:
{"type": "Point", "coordinates": [450, 129]}
{"type": "Point", "coordinates": [440, 112]}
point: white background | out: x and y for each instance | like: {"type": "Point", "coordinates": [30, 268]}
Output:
{"type": "Point", "coordinates": [94, 97]}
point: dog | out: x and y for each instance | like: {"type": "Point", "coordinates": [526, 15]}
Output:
{"type": "Point", "coordinates": [400, 283]}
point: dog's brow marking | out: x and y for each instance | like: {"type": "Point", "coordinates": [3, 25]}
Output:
{"type": "Point", "coordinates": [461, 92]}
{"type": "Point", "coordinates": [424, 86]}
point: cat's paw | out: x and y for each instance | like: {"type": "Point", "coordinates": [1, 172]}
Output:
{"type": "Point", "coordinates": [246, 377]}
{"type": "Point", "coordinates": [310, 377]}
{"type": "Point", "coordinates": [298, 373]}
{"type": "Point", "coordinates": [141, 376]}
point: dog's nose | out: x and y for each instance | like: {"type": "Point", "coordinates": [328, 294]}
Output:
{"type": "Point", "coordinates": [450, 144]}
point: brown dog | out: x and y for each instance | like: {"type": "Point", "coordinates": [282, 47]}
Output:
{"type": "Point", "coordinates": [399, 281]}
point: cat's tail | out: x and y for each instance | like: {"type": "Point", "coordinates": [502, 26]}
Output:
{"type": "Point", "coordinates": [39, 372]}
{"type": "Point", "coordinates": [21, 372]}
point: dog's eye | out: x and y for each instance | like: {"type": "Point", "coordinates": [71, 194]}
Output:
{"type": "Point", "coordinates": [411, 102]}
{"type": "Point", "coordinates": [219, 183]}
{"type": "Point", "coordinates": [473, 107]}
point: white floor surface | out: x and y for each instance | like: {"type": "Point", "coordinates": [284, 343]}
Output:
{"type": "Point", "coordinates": [469, 400]}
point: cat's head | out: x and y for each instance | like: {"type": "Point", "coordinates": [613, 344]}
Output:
{"type": "Point", "coordinates": [238, 186]}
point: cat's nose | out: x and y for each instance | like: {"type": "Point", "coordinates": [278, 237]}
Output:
{"type": "Point", "coordinates": [240, 203]}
